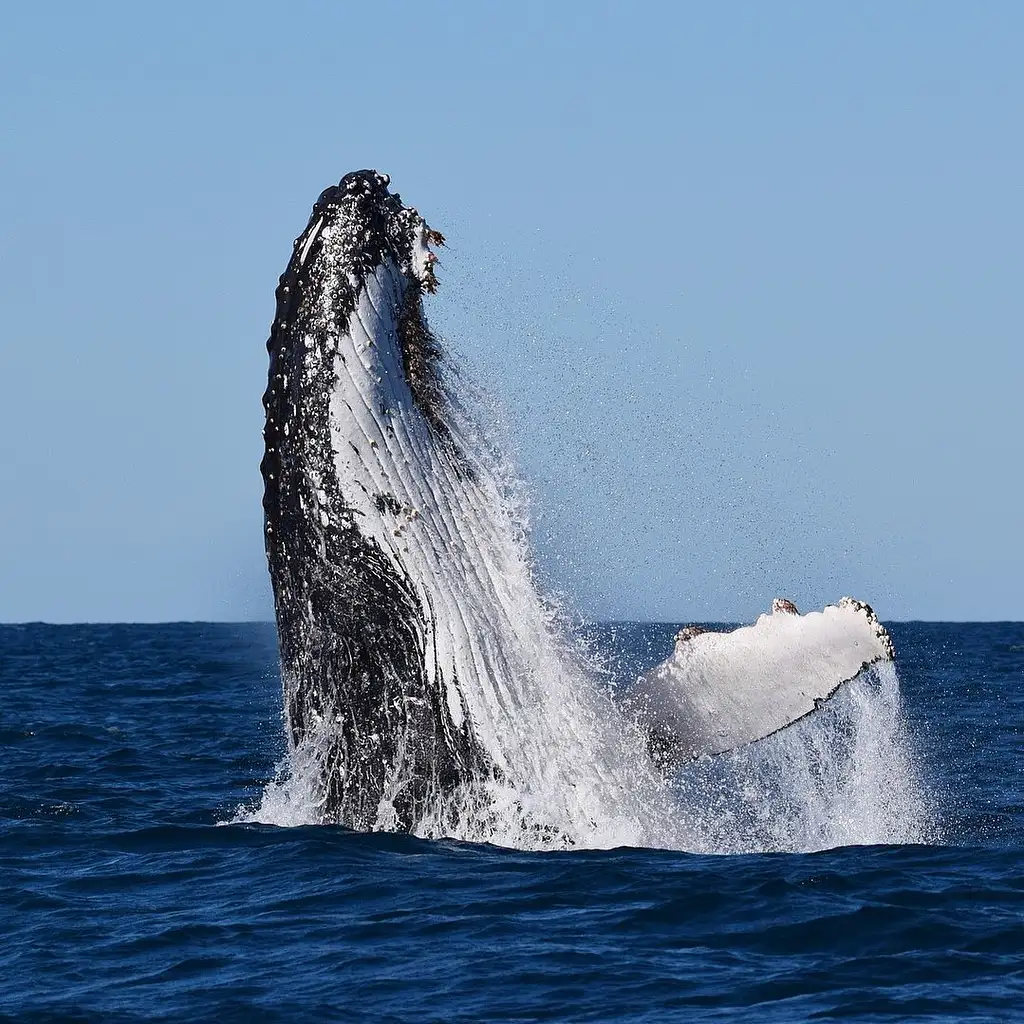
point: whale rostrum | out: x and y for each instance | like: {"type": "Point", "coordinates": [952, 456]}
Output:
{"type": "Point", "coordinates": [420, 666]}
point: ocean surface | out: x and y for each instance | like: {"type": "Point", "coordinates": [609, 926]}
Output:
{"type": "Point", "coordinates": [136, 881]}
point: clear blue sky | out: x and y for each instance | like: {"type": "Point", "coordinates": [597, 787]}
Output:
{"type": "Point", "coordinates": [746, 276]}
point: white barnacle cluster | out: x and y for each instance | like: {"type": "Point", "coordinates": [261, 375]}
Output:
{"type": "Point", "coordinates": [881, 633]}
{"type": "Point", "coordinates": [422, 258]}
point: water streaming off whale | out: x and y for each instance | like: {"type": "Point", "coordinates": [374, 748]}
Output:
{"type": "Point", "coordinates": [430, 687]}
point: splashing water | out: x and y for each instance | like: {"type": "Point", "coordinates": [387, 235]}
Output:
{"type": "Point", "coordinates": [845, 775]}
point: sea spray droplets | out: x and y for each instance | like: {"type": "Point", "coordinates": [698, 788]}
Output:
{"type": "Point", "coordinates": [846, 775]}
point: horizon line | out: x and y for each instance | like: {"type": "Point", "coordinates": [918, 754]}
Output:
{"type": "Point", "coordinates": [583, 620]}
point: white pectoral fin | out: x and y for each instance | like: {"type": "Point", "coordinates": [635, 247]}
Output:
{"type": "Point", "coordinates": [719, 691]}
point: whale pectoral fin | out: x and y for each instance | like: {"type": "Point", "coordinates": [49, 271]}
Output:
{"type": "Point", "coordinates": [722, 690]}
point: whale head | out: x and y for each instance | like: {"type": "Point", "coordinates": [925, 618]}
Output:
{"type": "Point", "coordinates": [358, 225]}
{"type": "Point", "coordinates": [359, 230]}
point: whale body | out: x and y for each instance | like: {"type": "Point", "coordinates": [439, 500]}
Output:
{"type": "Point", "coordinates": [417, 658]}
{"type": "Point", "coordinates": [422, 671]}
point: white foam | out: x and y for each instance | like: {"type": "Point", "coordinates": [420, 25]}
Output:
{"type": "Point", "coordinates": [843, 777]}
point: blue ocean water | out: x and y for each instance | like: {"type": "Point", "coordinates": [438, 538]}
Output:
{"type": "Point", "coordinates": [124, 896]}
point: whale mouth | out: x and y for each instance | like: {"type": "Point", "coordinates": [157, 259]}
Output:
{"type": "Point", "coordinates": [371, 223]}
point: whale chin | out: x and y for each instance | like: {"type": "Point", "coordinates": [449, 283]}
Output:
{"type": "Point", "coordinates": [421, 670]}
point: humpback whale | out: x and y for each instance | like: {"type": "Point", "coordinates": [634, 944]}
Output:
{"type": "Point", "coordinates": [357, 430]}
{"type": "Point", "coordinates": [420, 666]}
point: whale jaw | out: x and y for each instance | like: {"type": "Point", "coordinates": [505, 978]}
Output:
{"type": "Point", "coordinates": [354, 635]}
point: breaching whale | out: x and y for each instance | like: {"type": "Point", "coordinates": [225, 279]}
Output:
{"type": "Point", "coordinates": [421, 669]}
{"type": "Point", "coordinates": [358, 446]}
